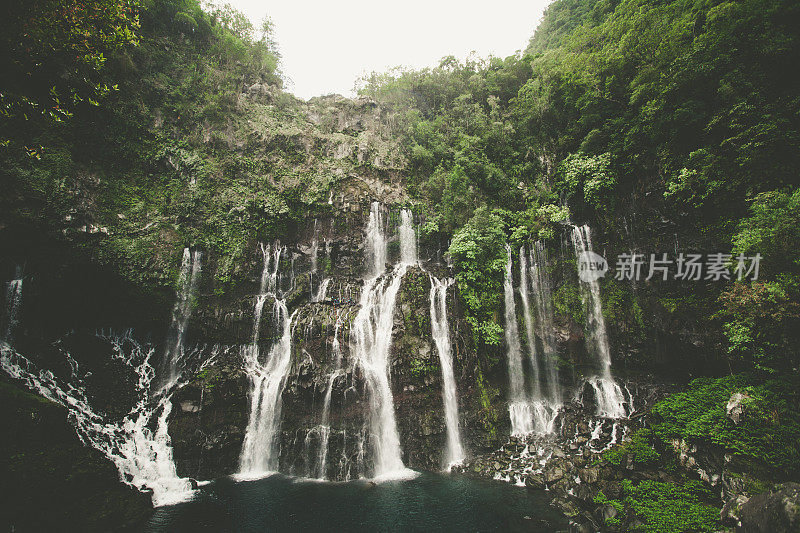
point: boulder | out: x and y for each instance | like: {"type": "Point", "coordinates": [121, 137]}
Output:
{"type": "Point", "coordinates": [535, 481]}
{"type": "Point", "coordinates": [773, 512]}
{"type": "Point", "coordinates": [736, 406]}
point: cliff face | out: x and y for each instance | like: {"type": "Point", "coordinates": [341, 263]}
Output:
{"type": "Point", "coordinates": [208, 429]}
{"type": "Point", "coordinates": [347, 148]}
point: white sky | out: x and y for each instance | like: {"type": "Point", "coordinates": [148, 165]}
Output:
{"type": "Point", "coordinates": [327, 45]}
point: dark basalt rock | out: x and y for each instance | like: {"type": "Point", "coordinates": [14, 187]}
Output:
{"type": "Point", "coordinates": [54, 482]}
{"type": "Point", "coordinates": [773, 512]}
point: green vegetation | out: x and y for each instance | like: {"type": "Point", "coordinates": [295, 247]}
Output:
{"type": "Point", "coordinates": [175, 156]}
{"type": "Point", "coordinates": [479, 254]}
{"type": "Point", "coordinates": [664, 507]}
{"type": "Point", "coordinates": [651, 120]}
{"type": "Point", "coordinates": [54, 54]}
{"type": "Point", "coordinates": [665, 125]}
{"type": "Point", "coordinates": [638, 448]}
{"type": "Point", "coordinates": [763, 449]}
{"type": "Point", "coordinates": [767, 437]}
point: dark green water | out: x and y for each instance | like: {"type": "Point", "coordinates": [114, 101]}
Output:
{"type": "Point", "coordinates": [429, 502]}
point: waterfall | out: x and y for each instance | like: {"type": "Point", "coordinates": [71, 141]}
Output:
{"type": "Point", "coordinates": [536, 388]}
{"type": "Point", "coordinates": [322, 291]}
{"type": "Point", "coordinates": [518, 408]}
{"type": "Point", "coordinates": [371, 339]}
{"type": "Point", "coordinates": [314, 249]}
{"type": "Point", "coordinates": [376, 242]}
{"type": "Point", "coordinates": [529, 413]}
{"type": "Point", "coordinates": [543, 296]}
{"type": "Point", "coordinates": [181, 312]}
{"type": "Point", "coordinates": [454, 452]}
{"type": "Point", "coordinates": [260, 449]}
{"type": "Point", "coordinates": [408, 238]}
{"type": "Point", "coordinates": [608, 394]}
{"type": "Point", "coordinates": [140, 449]}
{"type": "Point", "coordinates": [324, 426]}
{"type": "Point", "coordinates": [13, 301]}
{"type": "Point", "coordinates": [319, 294]}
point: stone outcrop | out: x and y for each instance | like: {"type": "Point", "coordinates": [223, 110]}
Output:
{"type": "Point", "coordinates": [773, 512]}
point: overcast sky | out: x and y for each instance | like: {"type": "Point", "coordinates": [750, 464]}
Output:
{"type": "Point", "coordinates": [327, 45]}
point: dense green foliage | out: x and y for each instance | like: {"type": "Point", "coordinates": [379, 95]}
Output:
{"type": "Point", "coordinates": [762, 319]}
{"type": "Point", "coordinates": [52, 53]}
{"type": "Point", "coordinates": [767, 436]}
{"type": "Point", "coordinates": [761, 445]}
{"type": "Point", "coordinates": [665, 507]}
{"type": "Point", "coordinates": [478, 250]}
{"type": "Point", "coordinates": [175, 156]}
{"type": "Point", "coordinates": [658, 122]}
{"type": "Point", "coordinates": [676, 505]}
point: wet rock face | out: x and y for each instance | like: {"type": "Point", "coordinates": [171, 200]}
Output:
{"type": "Point", "coordinates": [774, 512]}
{"type": "Point", "coordinates": [209, 417]}
{"type": "Point", "coordinates": [211, 410]}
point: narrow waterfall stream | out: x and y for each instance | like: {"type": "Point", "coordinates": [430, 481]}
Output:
{"type": "Point", "coordinates": [324, 425]}
{"type": "Point", "coordinates": [531, 411]}
{"type": "Point", "coordinates": [440, 329]}
{"type": "Point", "coordinates": [543, 296]}
{"type": "Point", "coordinates": [608, 394]}
{"type": "Point", "coordinates": [260, 449]}
{"type": "Point", "coordinates": [519, 409]}
{"type": "Point", "coordinates": [408, 238]}
{"type": "Point", "coordinates": [536, 385]}
{"type": "Point", "coordinates": [545, 406]}
{"type": "Point", "coordinates": [13, 301]}
{"type": "Point", "coordinates": [371, 339]}
{"type": "Point", "coordinates": [181, 312]}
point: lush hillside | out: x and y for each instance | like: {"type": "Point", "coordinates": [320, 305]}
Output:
{"type": "Point", "coordinates": [670, 127]}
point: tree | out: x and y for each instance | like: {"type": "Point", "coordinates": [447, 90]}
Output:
{"type": "Point", "coordinates": [52, 53]}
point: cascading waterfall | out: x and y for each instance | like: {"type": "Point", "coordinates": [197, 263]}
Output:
{"type": "Point", "coordinates": [322, 291]}
{"type": "Point", "coordinates": [608, 394]}
{"type": "Point", "coordinates": [533, 412]}
{"type": "Point", "coordinates": [408, 238]}
{"type": "Point", "coordinates": [454, 451]}
{"type": "Point", "coordinates": [314, 249]}
{"type": "Point", "coordinates": [536, 388]}
{"type": "Point", "coordinates": [142, 456]}
{"type": "Point", "coordinates": [268, 287]}
{"type": "Point", "coordinates": [371, 338]}
{"type": "Point", "coordinates": [544, 408]}
{"type": "Point", "coordinates": [543, 296]}
{"type": "Point", "coordinates": [181, 312]}
{"type": "Point", "coordinates": [319, 294]}
{"type": "Point", "coordinates": [375, 244]}
{"type": "Point", "coordinates": [260, 449]}
{"type": "Point", "coordinates": [519, 409]}
{"type": "Point", "coordinates": [13, 301]}
{"type": "Point", "coordinates": [324, 426]}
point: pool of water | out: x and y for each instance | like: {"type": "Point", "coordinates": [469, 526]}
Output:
{"type": "Point", "coordinates": [428, 502]}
